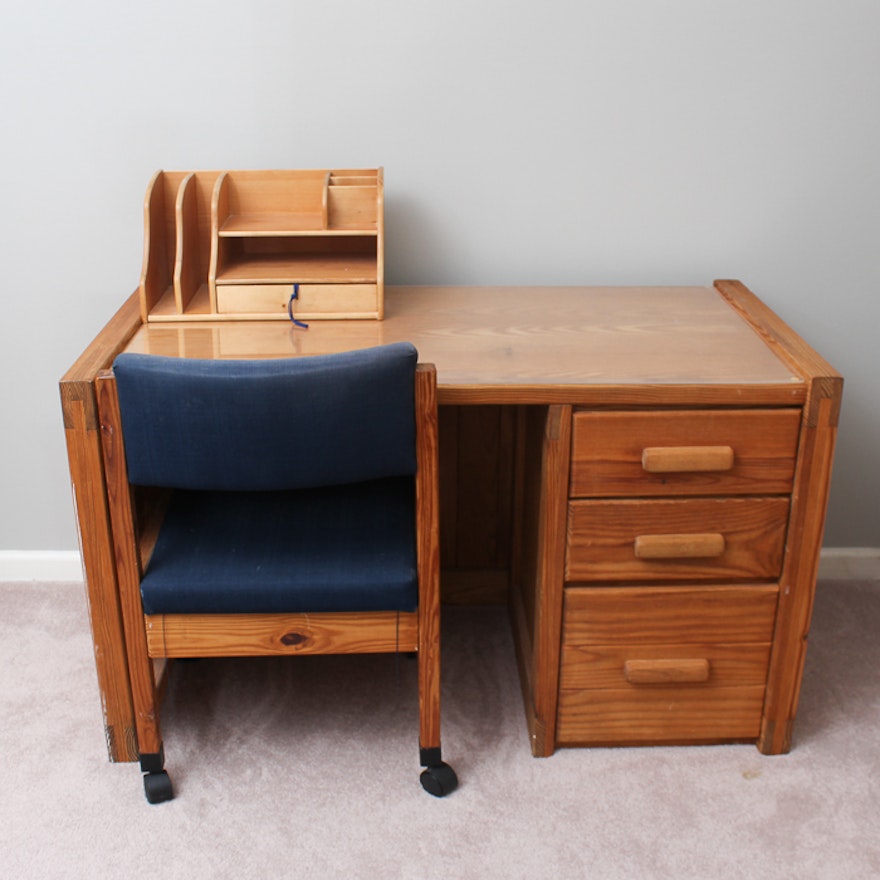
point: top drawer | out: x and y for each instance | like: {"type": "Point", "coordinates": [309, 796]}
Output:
{"type": "Point", "coordinates": [687, 452]}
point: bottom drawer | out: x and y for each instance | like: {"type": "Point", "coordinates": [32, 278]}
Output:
{"type": "Point", "coordinates": [313, 300]}
{"type": "Point", "coordinates": [664, 665]}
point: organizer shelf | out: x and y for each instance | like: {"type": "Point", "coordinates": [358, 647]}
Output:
{"type": "Point", "coordinates": [245, 245]}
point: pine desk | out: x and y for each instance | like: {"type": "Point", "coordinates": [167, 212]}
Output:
{"type": "Point", "coordinates": [641, 473]}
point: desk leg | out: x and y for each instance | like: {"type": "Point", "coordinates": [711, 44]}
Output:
{"type": "Point", "coordinates": [99, 569]}
{"type": "Point", "coordinates": [86, 463]}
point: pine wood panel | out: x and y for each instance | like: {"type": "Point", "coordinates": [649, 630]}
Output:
{"type": "Point", "coordinates": [812, 482]}
{"type": "Point", "coordinates": [798, 581]}
{"type": "Point", "coordinates": [722, 633]}
{"type": "Point", "coordinates": [587, 346]}
{"type": "Point", "coordinates": [677, 615]}
{"type": "Point", "coordinates": [141, 670]}
{"type": "Point", "coordinates": [604, 666]}
{"type": "Point", "coordinates": [609, 452]}
{"type": "Point", "coordinates": [428, 555]}
{"type": "Point", "coordinates": [289, 267]}
{"type": "Point", "coordinates": [190, 270]}
{"type": "Point", "coordinates": [337, 301]}
{"type": "Point", "coordinates": [603, 538]}
{"type": "Point", "coordinates": [659, 715]}
{"type": "Point", "coordinates": [287, 193]}
{"type": "Point", "coordinates": [253, 635]}
{"type": "Point", "coordinates": [85, 461]}
{"type": "Point", "coordinates": [536, 597]}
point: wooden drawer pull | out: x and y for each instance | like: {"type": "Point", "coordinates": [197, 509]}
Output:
{"type": "Point", "coordinates": [666, 671]}
{"type": "Point", "coordinates": [684, 459]}
{"type": "Point", "coordinates": [679, 546]}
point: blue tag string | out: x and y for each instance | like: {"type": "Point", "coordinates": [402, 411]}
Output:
{"type": "Point", "coordinates": [293, 296]}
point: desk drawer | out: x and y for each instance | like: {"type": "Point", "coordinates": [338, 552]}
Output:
{"type": "Point", "coordinates": [655, 665]}
{"type": "Point", "coordinates": [675, 539]}
{"type": "Point", "coordinates": [700, 452]}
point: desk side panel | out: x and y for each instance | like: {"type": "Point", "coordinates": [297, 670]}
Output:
{"type": "Point", "coordinates": [801, 566]}
{"type": "Point", "coordinates": [85, 463]}
{"type": "Point", "coordinates": [821, 413]}
{"type": "Point", "coordinates": [536, 594]}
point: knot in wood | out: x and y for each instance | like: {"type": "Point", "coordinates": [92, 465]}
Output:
{"type": "Point", "coordinates": [292, 639]}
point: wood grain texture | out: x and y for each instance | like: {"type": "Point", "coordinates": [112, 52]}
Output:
{"type": "Point", "coordinates": [144, 694]}
{"type": "Point", "coordinates": [603, 538]}
{"type": "Point", "coordinates": [664, 671]}
{"type": "Point", "coordinates": [588, 346]}
{"type": "Point", "coordinates": [85, 462]}
{"type": "Point", "coordinates": [664, 665]}
{"type": "Point", "coordinates": [798, 581]}
{"type": "Point", "coordinates": [674, 714]}
{"type": "Point", "coordinates": [741, 451]}
{"type": "Point", "coordinates": [687, 459]}
{"type": "Point", "coordinates": [537, 598]}
{"type": "Point", "coordinates": [604, 666]}
{"type": "Point", "coordinates": [708, 545]}
{"type": "Point", "coordinates": [428, 553]}
{"type": "Point", "coordinates": [821, 414]}
{"type": "Point", "coordinates": [669, 615]}
{"type": "Point", "coordinates": [780, 338]}
{"type": "Point", "coordinates": [254, 635]}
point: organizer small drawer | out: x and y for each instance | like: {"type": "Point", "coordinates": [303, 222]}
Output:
{"type": "Point", "coordinates": [336, 300]}
{"type": "Point", "coordinates": [672, 664]}
{"type": "Point", "coordinates": [699, 452]}
{"type": "Point", "coordinates": [244, 299]}
{"type": "Point", "coordinates": [312, 300]}
{"type": "Point", "coordinates": [675, 539]}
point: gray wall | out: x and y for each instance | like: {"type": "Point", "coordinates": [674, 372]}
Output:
{"type": "Point", "coordinates": [582, 142]}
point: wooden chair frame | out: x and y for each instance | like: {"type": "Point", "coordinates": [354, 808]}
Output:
{"type": "Point", "coordinates": [151, 640]}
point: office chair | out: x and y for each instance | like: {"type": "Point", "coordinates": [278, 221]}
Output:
{"type": "Point", "coordinates": [274, 507]}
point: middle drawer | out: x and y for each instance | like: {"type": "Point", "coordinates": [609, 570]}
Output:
{"type": "Point", "coordinates": [675, 539]}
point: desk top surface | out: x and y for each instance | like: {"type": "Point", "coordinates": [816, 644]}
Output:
{"type": "Point", "coordinates": [497, 342]}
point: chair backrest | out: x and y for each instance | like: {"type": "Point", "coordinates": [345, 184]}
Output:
{"type": "Point", "coordinates": [268, 424]}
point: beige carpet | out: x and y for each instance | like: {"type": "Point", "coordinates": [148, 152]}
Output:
{"type": "Point", "coordinates": [308, 769]}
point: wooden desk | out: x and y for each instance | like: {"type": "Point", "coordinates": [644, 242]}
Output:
{"type": "Point", "coordinates": [659, 593]}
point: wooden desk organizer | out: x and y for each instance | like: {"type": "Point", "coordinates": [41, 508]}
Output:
{"type": "Point", "coordinates": [246, 245]}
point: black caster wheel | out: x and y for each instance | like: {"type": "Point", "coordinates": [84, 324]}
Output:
{"type": "Point", "coordinates": [157, 787]}
{"type": "Point", "coordinates": [439, 780]}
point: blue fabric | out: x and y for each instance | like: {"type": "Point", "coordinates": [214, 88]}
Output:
{"type": "Point", "coordinates": [347, 548]}
{"type": "Point", "coordinates": [268, 424]}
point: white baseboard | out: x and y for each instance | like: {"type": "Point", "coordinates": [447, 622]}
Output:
{"type": "Point", "coordinates": [40, 565]}
{"type": "Point", "coordinates": [849, 563]}
{"type": "Point", "coordinates": [835, 563]}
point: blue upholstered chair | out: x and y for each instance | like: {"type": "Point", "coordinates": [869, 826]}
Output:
{"type": "Point", "coordinates": [274, 507]}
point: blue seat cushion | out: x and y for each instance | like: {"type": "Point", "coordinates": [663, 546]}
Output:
{"type": "Point", "coordinates": [343, 548]}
